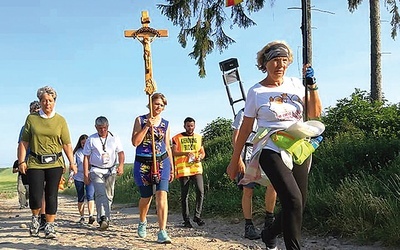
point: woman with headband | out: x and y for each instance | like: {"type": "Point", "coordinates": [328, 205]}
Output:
{"type": "Point", "coordinates": [277, 102]}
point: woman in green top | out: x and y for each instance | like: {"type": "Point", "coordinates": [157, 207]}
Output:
{"type": "Point", "coordinates": [46, 134]}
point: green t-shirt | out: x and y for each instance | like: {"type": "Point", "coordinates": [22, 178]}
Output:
{"type": "Point", "coordinates": [45, 136]}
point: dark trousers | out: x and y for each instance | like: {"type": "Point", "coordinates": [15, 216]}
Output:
{"type": "Point", "coordinates": [37, 179]}
{"type": "Point", "coordinates": [291, 188]}
{"type": "Point", "coordinates": [185, 184]}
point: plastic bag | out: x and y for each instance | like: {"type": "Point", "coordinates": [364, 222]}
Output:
{"type": "Point", "coordinates": [299, 148]}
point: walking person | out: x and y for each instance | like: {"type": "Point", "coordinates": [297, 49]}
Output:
{"type": "Point", "coordinates": [143, 128]}
{"type": "Point", "coordinates": [22, 187]}
{"type": "Point", "coordinates": [250, 231]}
{"type": "Point", "coordinates": [188, 151]}
{"type": "Point", "coordinates": [22, 181]}
{"type": "Point", "coordinates": [82, 190]}
{"type": "Point", "coordinates": [101, 152]}
{"type": "Point", "coordinates": [277, 102]}
{"type": "Point", "coordinates": [46, 134]}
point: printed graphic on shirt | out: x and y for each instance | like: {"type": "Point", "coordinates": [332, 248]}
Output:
{"type": "Point", "coordinates": [286, 107]}
{"type": "Point", "coordinates": [188, 144]}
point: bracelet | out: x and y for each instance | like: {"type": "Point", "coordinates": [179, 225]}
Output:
{"type": "Point", "coordinates": [22, 162]}
{"type": "Point", "coordinates": [312, 89]}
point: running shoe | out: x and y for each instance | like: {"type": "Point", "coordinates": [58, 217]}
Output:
{"type": "Point", "coordinates": [49, 230]}
{"type": "Point", "coordinates": [163, 237]}
{"type": "Point", "coordinates": [34, 226]}
{"type": "Point", "coordinates": [142, 229]}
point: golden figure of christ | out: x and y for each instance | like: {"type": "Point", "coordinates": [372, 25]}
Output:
{"type": "Point", "coordinates": [146, 35]}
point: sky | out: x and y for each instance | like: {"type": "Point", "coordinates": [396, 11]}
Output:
{"type": "Point", "coordinates": [78, 47]}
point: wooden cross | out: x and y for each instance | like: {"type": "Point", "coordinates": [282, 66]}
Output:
{"type": "Point", "coordinates": [146, 35]}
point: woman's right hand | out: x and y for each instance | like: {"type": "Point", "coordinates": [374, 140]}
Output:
{"type": "Point", "coordinates": [150, 122]}
{"type": "Point", "coordinates": [234, 168]}
{"type": "Point", "coordinates": [22, 167]}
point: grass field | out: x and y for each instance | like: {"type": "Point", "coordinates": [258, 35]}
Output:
{"type": "Point", "coordinates": [8, 183]}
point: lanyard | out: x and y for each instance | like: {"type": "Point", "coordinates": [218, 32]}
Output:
{"type": "Point", "coordinates": [103, 144]}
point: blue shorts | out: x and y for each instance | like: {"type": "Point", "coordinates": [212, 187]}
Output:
{"type": "Point", "coordinates": [81, 189]}
{"type": "Point", "coordinates": [249, 185]}
{"type": "Point", "coordinates": [147, 191]}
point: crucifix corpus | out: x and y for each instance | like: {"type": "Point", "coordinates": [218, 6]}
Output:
{"type": "Point", "coordinates": [146, 35]}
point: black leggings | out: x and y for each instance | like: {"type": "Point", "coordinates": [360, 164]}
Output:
{"type": "Point", "coordinates": [37, 179]}
{"type": "Point", "coordinates": [291, 188]}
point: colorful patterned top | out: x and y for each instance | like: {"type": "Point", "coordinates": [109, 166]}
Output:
{"type": "Point", "coordinates": [144, 156]}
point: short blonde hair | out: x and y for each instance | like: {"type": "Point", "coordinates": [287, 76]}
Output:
{"type": "Point", "coordinates": [261, 54]}
{"type": "Point", "coordinates": [46, 90]}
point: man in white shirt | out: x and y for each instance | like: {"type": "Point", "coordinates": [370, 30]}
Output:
{"type": "Point", "coordinates": [100, 166]}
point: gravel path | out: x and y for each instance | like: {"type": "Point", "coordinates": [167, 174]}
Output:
{"type": "Point", "coordinates": [216, 234]}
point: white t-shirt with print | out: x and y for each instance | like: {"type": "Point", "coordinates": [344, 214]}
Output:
{"type": "Point", "coordinates": [277, 107]}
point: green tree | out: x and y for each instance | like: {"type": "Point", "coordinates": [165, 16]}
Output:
{"type": "Point", "coordinates": [220, 127]}
{"type": "Point", "coordinates": [203, 21]}
{"type": "Point", "coordinates": [375, 31]}
{"type": "Point", "coordinates": [358, 116]}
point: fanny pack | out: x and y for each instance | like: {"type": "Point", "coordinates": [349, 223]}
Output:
{"type": "Point", "coordinates": [47, 158]}
{"type": "Point", "coordinates": [300, 149]}
{"type": "Point", "coordinates": [149, 159]}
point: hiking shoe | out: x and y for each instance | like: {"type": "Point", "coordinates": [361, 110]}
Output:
{"type": "Point", "coordinates": [250, 232]}
{"type": "Point", "coordinates": [163, 238]}
{"type": "Point", "coordinates": [187, 224]}
{"type": "Point", "coordinates": [49, 231]}
{"type": "Point", "coordinates": [34, 226]}
{"type": "Point", "coordinates": [269, 220]}
{"type": "Point", "coordinates": [269, 239]}
{"type": "Point", "coordinates": [42, 221]}
{"type": "Point", "coordinates": [82, 220]}
{"type": "Point", "coordinates": [141, 230]}
{"type": "Point", "coordinates": [103, 223]}
{"type": "Point", "coordinates": [91, 220]}
{"type": "Point", "coordinates": [199, 221]}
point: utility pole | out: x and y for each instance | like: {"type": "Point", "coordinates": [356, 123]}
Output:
{"type": "Point", "coordinates": [307, 43]}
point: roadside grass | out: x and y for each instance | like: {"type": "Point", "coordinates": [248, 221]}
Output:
{"type": "Point", "coordinates": [8, 183]}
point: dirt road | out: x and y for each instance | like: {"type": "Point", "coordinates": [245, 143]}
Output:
{"type": "Point", "coordinates": [122, 234]}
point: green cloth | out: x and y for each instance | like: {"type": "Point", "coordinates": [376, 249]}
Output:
{"type": "Point", "coordinates": [45, 136]}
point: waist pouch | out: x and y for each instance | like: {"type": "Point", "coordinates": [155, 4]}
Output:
{"type": "Point", "coordinates": [148, 160]}
{"type": "Point", "coordinates": [47, 158]}
{"type": "Point", "coordinates": [300, 149]}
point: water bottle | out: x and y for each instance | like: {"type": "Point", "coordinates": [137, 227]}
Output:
{"type": "Point", "coordinates": [70, 179]}
{"type": "Point", "coordinates": [316, 141]}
